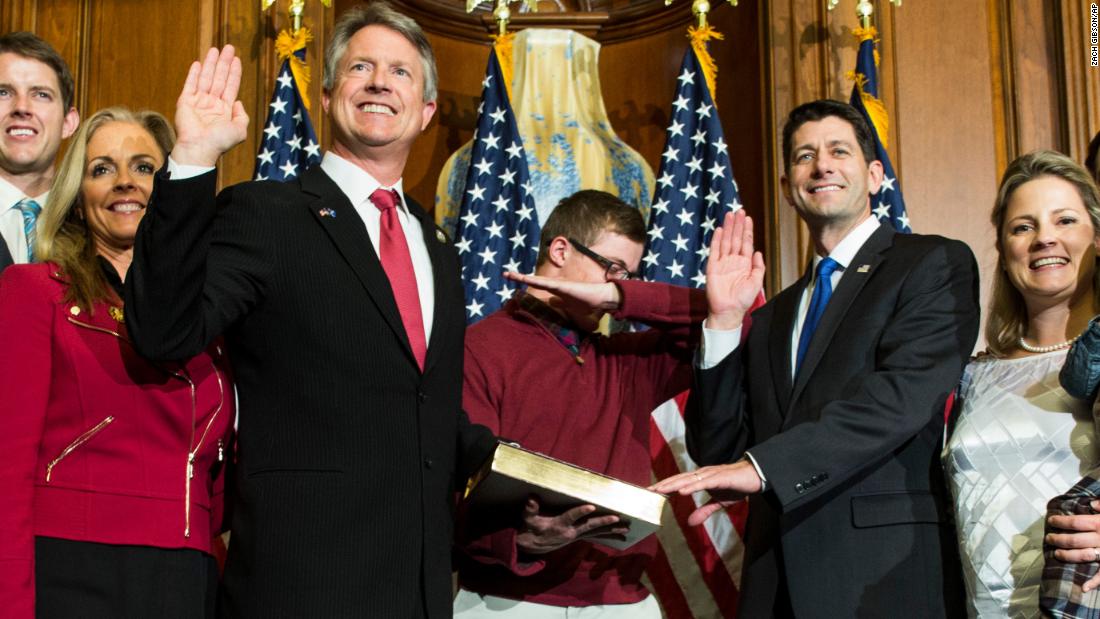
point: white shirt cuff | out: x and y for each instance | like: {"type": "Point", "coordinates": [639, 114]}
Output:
{"type": "Point", "coordinates": [179, 172]}
{"type": "Point", "coordinates": [716, 346]}
{"type": "Point", "coordinates": [763, 480]}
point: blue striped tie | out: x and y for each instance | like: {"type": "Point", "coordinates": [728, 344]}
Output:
{"type": "Point", "coordinates": [30, 210]}
{"type": "Point", "coordinates": [823, 289]}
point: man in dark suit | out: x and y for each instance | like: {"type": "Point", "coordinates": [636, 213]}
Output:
{"type": "Point", "coordinates": [36, 114]}
{"type": "Point", "coordinates": [830, 416]}
{"type": "Point", "coordinates": [341, 305]}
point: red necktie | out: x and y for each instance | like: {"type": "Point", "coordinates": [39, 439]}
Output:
{"type": "Point", "coordinates": [393, 249]}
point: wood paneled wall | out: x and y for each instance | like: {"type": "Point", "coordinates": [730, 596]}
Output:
{"type": "Point", "coordinates": [968, 86]}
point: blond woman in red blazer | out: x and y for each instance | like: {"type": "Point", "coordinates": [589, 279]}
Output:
{"type": "Point", "coordinates": [111, 485]}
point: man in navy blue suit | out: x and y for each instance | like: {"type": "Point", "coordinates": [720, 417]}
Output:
{"type": "Point", "coordinates": [830, 416]}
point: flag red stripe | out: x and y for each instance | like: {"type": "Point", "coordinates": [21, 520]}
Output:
{"type": "Point", "coordinates": [666, 588]}
{"type": "Point", "coordinates": [715, 575]}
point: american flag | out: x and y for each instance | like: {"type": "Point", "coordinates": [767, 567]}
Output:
{"type": "Point", "coordinates": [888, 204]}
{"type": "Point", "coordinates": [289, 144]}
{"type": "Point", "coordinates": [498, 228]}
{"type": "Point", "coordinates": [697, 569]}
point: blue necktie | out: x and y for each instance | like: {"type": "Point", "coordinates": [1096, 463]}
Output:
{"type": "Point", "coordinates": [30, 210]}
{"type": "Point", "coordinates": [823, 289]}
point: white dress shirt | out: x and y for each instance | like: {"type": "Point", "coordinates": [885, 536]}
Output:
{"type": "Point", "coordinates": [11, 219]}
{"type": "Point", "coordinates": [357, 184]}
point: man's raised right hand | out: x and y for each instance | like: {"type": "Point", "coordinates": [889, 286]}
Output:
{"type": "Point", "coordinates": [735, 273]}
{"type": "Point", "coordinates": [209, 118]}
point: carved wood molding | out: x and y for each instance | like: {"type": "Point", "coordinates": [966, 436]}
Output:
{"type": "Point", "coordinates": [602, 20]}
{"type": "Point", "coordinates": [1081, 94]}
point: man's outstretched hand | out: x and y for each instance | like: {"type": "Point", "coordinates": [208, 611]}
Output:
{"type": "Point", "coordinates": [210, 119]}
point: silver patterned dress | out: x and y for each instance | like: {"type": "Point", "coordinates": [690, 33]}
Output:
{"type": "Point", "coordinates": [1019, 441]}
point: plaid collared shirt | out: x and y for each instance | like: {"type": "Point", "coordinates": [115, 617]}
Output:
{"type": "Point", "coordinates": [555, 323]}
{"type": "Point", "coordinates": [1060, 594]}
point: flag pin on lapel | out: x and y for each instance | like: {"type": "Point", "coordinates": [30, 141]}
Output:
{"type": "Point", "coordinates": [327, 212]}
{"type": "Point", "coordinates": [863, 268]}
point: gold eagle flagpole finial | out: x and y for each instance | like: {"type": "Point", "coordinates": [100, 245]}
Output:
{"type": "Point", "coordinates": [296, 8]}
{"type": "Point", "coordinates": [700, 8]}
{"type": "Point", "coordinates": [864, 8]}
{"type": "Point", "coordinates": [502, 14]}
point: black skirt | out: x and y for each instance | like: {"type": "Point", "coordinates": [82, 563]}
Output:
{"type": "Point", "coordinates": [90, 580]}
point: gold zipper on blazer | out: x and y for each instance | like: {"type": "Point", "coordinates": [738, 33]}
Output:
{"type": "Point", "coordinates": [97, 328]}
{"type": "Point", "coordinates": [193, 448]}
{"type": "Point", "coordinates": [80, 440]}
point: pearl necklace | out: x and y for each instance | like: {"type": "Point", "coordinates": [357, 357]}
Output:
{"type": "Point", "coordinates": [1042, 349]}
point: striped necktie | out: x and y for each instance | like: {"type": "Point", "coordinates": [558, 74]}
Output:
{"type": "Point", "coordinates": [31, 210]}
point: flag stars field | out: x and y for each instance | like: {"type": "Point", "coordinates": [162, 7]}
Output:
{"type": "Point", "coordinates": [497, 226]}
{"type": "Point", "coordinates": [695, 184]}
{"type": "Point", "coordinates": [281, 155]}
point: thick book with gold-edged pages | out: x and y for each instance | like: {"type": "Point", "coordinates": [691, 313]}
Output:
{"type": "Point", "coordinates": [513, 473]}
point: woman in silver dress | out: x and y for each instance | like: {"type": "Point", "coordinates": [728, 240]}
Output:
{"type": "Point", "coordinates": [1018, 439]}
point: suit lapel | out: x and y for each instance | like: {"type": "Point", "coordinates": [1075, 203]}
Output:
{"type": "Point", "coordinates": [862, 267]}
{"type": "Point", "coordinates": [443, 271]}
{"type": "Point", "coordinates": [5, 256]}
{"type": "Point", "coordinates": [779, 340]}
{"type": "Point", "coordinates": [331, 208]}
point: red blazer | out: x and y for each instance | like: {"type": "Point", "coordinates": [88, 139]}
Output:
{"type": "Point", "coordinates": [98, 443]}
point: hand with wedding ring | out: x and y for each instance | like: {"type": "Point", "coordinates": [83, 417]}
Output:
{"type": "Point", "coordinates": [1080, 543]}
{"type": "Point", "coordinates": [726, 483]}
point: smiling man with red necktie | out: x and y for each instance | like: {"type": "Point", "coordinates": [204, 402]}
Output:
{"type": "Point", "coordinates": [341, 304]}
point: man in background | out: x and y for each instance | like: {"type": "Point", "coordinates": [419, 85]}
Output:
{"type": "Point", "coordinates": [36, 114]}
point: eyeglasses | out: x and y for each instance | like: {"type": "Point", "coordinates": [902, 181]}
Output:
{"type": "Point", "coordinates": [612, 270]}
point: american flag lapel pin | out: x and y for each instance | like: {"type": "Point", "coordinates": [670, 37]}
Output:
{"type": "Point", "coordinates": [327, 212]}
{"type": "Point", "coordinates": [863, 268]}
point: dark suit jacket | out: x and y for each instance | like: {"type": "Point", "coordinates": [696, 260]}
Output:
{"type": "Point", "coordinates": [855, 517]}
{"type": "Point", "coordinates": [5, 256]}
{"type": "Point", "coordinates": [349, 456]}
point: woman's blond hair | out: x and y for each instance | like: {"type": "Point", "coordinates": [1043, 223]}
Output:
{"type": "Point", "coordinates": [1008, 318]}
{"type": "Point", "coordinates": [62, 235]}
